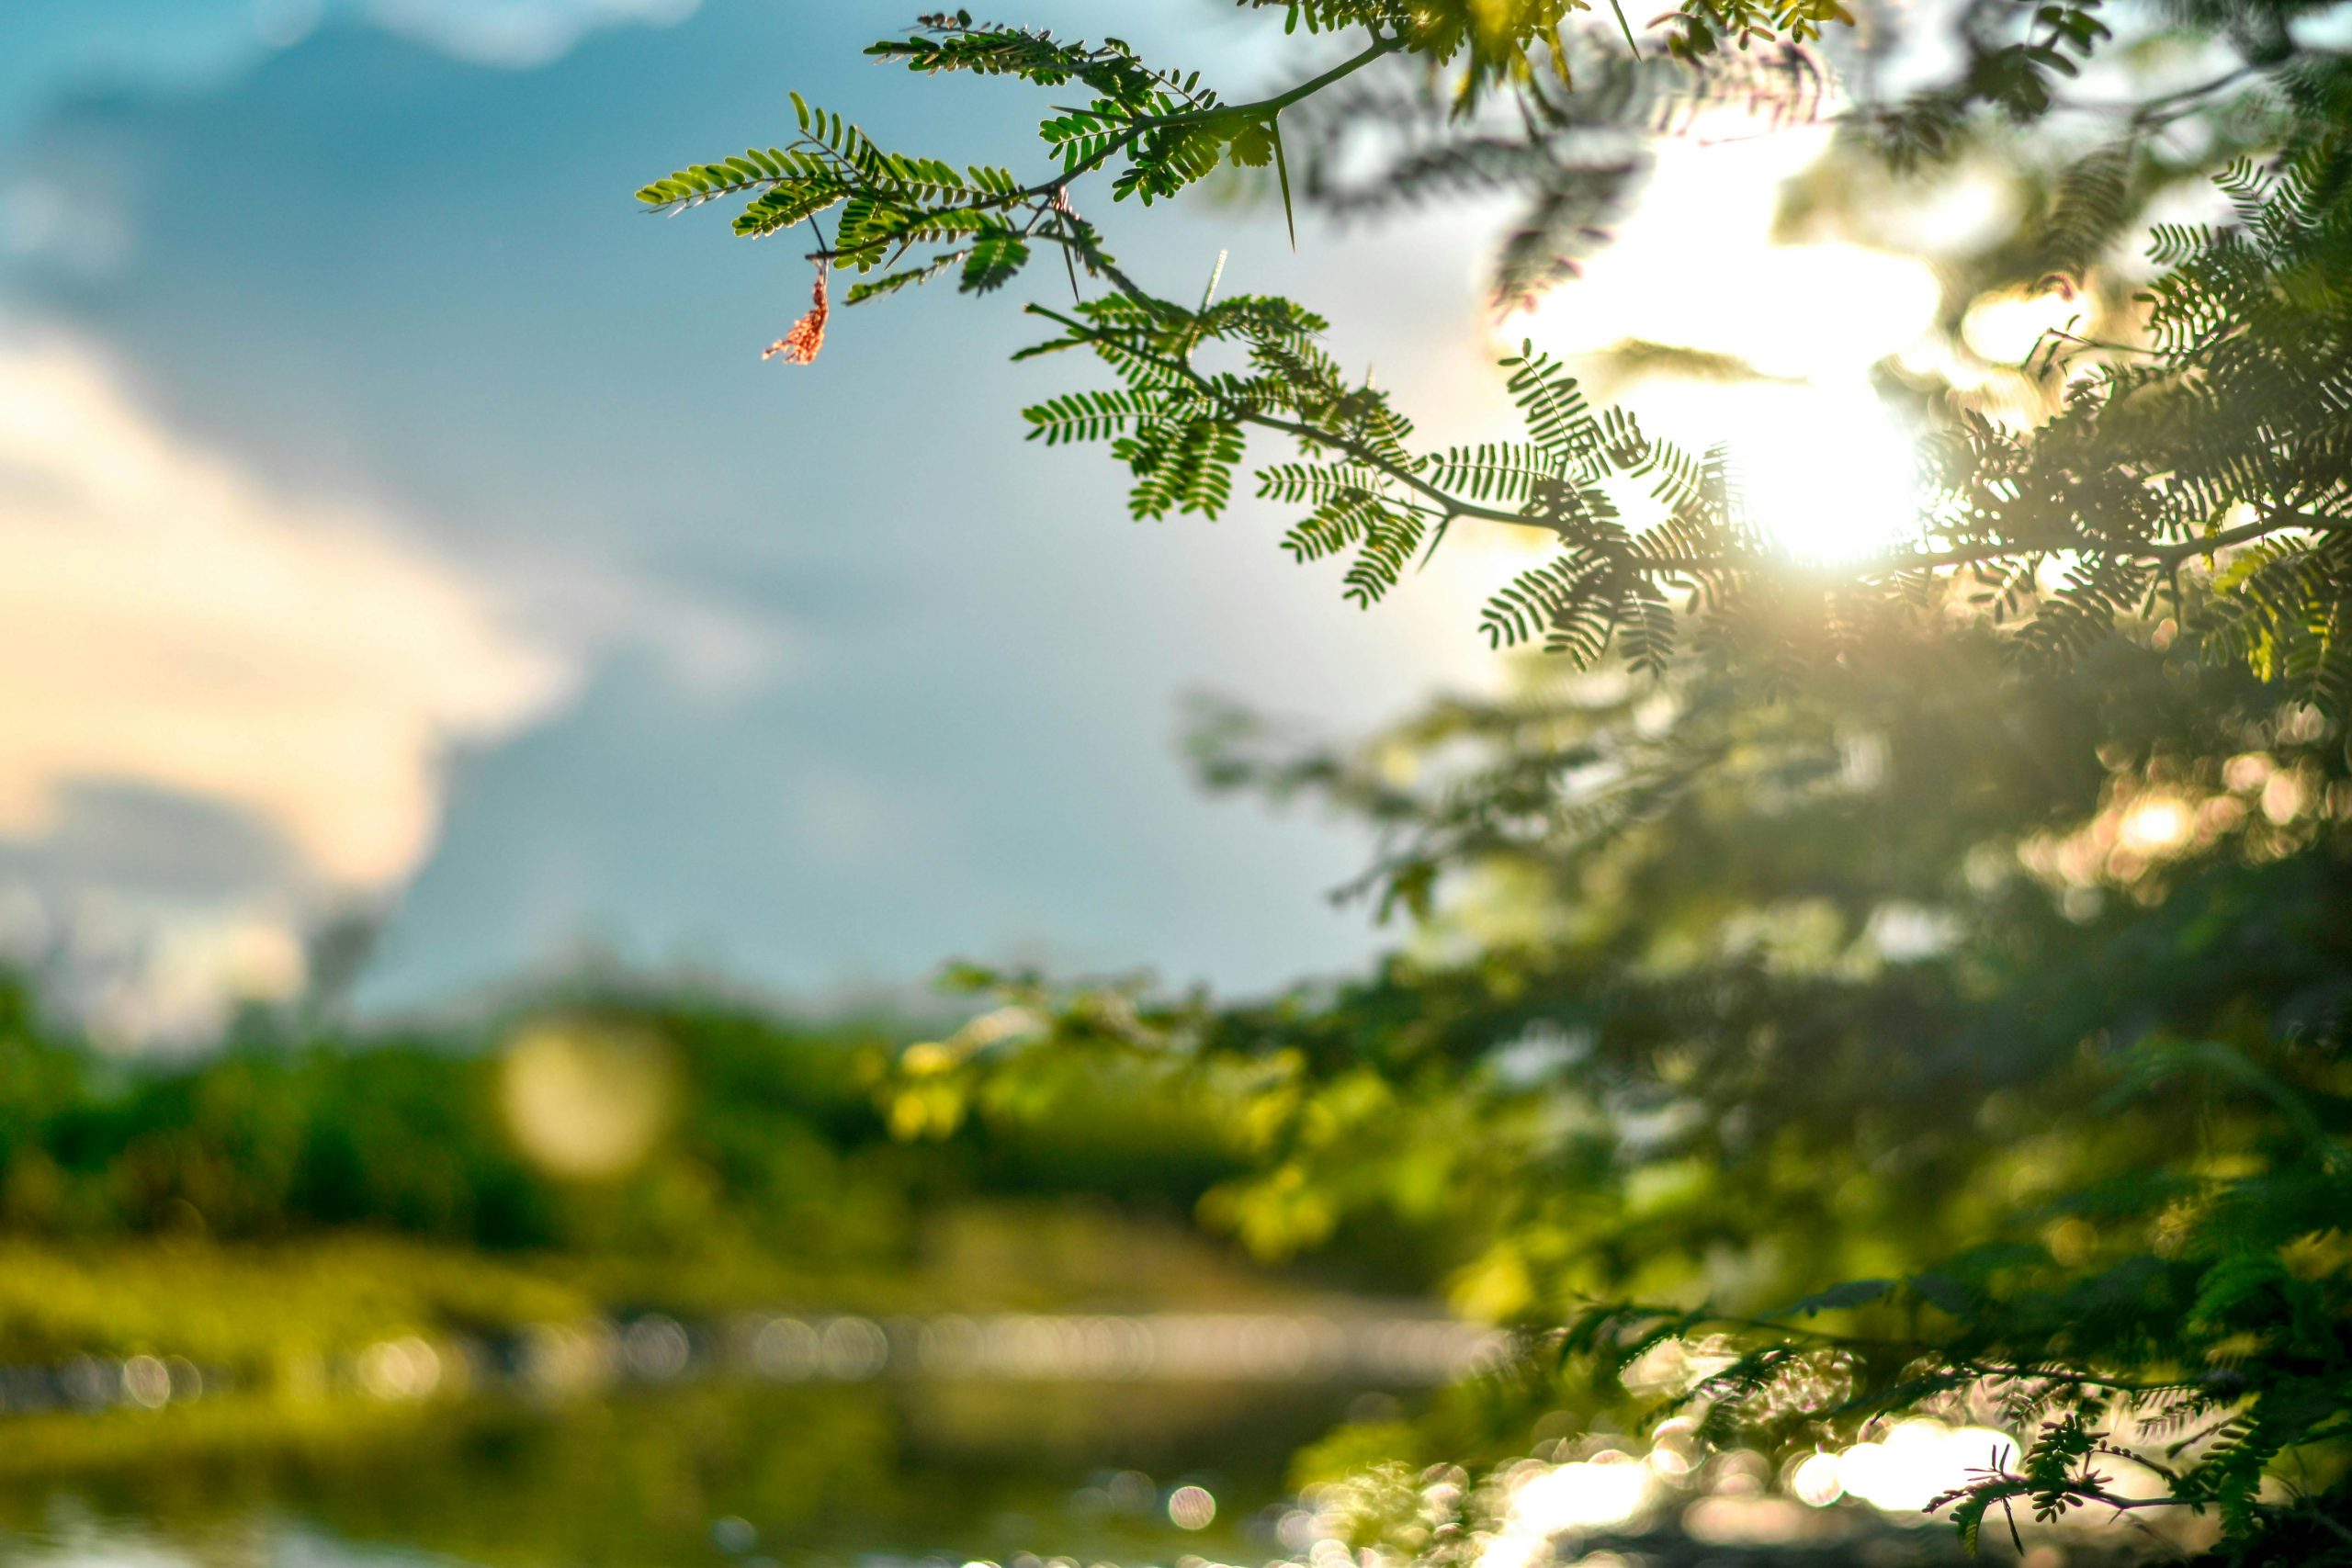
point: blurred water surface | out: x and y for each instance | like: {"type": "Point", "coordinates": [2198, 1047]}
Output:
{"type": "Point", "coordinates": [859, 1475]}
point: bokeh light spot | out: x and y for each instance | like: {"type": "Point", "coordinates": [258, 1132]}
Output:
{"type": "Point", "coordinates": [1191, 1507]}
{"type": "Point", "coordinates": [587, 1101]}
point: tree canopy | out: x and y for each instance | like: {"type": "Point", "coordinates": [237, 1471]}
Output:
{"type": "Point", "coordinates": [1962, 1028]}
{"type": "Point", "coordinates": [2217, 429]}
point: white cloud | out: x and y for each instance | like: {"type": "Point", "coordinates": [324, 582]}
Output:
{"type": "Point", "coordinates": [225, 709]}
{"type": "Point", "coordinates": [60, 46]}
{"type": "Point", "coordinates": [170, 621]}
{"type": "Point", "coordinates": [518, 34]}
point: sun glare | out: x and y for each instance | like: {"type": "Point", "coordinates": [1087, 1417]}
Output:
{"type": "Point", "coordinates": [2004, 328]}
{"type": "Point", "coordinates": [1829, 475]}
{"type": "Point", "coordinates": [1827, 471]}
{"type": "Point", "coordinates": [1779, 341]}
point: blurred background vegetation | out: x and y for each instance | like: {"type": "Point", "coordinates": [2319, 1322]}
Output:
{"type": "Point", "coordinates": [662, 1150]}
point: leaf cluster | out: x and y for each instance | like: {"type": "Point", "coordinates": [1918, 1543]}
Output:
{"type": "Point", "coordinates": [2078, 1139]}
{"type": "Point", "coordinates": [2078, 1148]}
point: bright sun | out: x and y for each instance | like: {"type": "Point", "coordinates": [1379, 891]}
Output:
{"type": "Point", "coordinates": [1830, 473]}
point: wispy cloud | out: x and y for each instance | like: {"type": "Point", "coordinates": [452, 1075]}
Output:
{"type": "Point", "coordinates": [584, 610]}
{"type": "Point", "coordinates": [62, 46]}
{"type": "Point", "coordinates": [517, 33]}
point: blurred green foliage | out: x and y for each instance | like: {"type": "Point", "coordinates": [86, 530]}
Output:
{"type": "Point", "coordinates": [2017, 1006]}
{"type": "Point", "coordinates": [778, 1135]}
{"type": "Point", "coordinates": [290, 1196]}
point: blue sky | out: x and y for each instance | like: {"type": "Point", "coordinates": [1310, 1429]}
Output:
{"type": "Point", "coordinates": [392, 515]}
{"type": "Point", "coordinates": [561, 617]}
